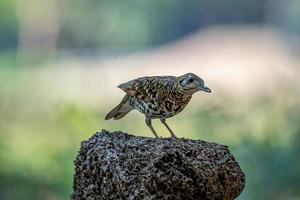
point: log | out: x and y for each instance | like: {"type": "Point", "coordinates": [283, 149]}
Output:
{"type": "Point", "coordinates": [116, 165]}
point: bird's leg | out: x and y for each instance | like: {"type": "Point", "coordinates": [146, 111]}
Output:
{"type": "Point", "coordinates": [148, 122]}
{"type": "Point", "coordinates": [166, 125]}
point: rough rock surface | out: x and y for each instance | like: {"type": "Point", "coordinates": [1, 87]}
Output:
{"type": "Point", "coordinates": [115, 165]}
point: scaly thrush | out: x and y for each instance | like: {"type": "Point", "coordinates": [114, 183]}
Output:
{"type": "Point", "coordinates": [158, 97]}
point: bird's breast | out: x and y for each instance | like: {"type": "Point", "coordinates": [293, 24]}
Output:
{"type": "Point", "coordinates": [159, 107]}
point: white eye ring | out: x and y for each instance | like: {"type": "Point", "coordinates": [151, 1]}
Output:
{"type": "Point", "coordinates": [191, 80]}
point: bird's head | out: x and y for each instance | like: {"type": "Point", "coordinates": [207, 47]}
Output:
{"type": "Point", "coordinates": [191, 83]}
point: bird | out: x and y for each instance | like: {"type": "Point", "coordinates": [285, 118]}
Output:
{"type": "Point", "coordinates": [158, 97]}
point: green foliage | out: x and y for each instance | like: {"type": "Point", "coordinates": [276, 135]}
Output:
{"type": "Point", "coordinates": [38, 145]}
{"type": "Point", "coordinates": [8, 25]}
{"type": "Point", "coordinates": [118, 25]}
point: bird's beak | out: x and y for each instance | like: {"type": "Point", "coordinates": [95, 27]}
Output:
{"type": "Point", "coordinates": [205, 89]}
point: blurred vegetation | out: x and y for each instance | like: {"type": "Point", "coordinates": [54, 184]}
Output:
{"type": "Point", "coordinates": [128, 25]}
{"type": "Point", "coordinates": [38, 145]}
{"type": "Point", "coordinates": [8, 25]}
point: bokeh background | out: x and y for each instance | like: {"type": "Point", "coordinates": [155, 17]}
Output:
{"type": "Point", "coordinates": [61, 60]}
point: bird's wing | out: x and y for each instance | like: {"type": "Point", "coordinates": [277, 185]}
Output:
{"type": "Point", "coordinates": [137, 87]}
{"type": "Point", "coordinates": [145, 88]}
{"type": "Point", "coordinates": [128, 87]}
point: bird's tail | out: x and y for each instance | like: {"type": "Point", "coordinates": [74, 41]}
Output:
{"type": "Point", "coordinates": [120, 110]}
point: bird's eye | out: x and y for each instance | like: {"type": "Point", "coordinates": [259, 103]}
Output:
{"type": "Point", "coordinates": [191, 80]}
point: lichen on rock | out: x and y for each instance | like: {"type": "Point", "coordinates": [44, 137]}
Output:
{"type": "Point", "coordinates": [116, 165]}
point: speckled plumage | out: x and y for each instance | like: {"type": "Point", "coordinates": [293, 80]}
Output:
{"type": "Point", "coordinates": [158, 97]}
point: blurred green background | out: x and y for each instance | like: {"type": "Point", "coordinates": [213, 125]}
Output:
{"type": "Point", "coordinates": [60, 62]}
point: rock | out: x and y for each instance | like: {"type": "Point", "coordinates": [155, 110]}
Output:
{"type": "Point", "coordinates": [115, 165]}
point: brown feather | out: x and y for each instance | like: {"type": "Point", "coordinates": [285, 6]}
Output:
{"type": "Point", "coordinates": [128, 87]}
{"type": "Point", "coordinates": [120, 110]}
